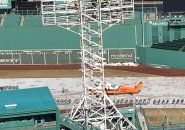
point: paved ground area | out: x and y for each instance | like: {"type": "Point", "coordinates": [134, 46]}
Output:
{"type": "Point", "coordinates": [151, 80]}
{"type": "Point", "coordinates": [165, 91]}
{"type": "Point", "coordinates": [157, 87]}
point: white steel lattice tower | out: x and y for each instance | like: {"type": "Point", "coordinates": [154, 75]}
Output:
{"type": "Point", "coordinates": [95, 108]}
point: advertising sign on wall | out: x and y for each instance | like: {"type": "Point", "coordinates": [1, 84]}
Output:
{"type": "Point", "coordinates": [71, 56]}
{"type": "Point", "coordinates": [121, 55]}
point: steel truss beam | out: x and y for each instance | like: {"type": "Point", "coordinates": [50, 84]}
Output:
{"type": "Point", "coordinates": [65, 13]}
{"type": "Point", "coordinates": [95, 107]}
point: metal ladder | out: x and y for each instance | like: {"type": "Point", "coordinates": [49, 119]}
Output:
{"type": "Point", "coordinates": [95, 107]}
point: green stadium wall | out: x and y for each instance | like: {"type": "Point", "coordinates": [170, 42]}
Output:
{"type": "Point", "coordinates": [32, 35]}
{"type": "Point", "coordinates": [33, 43]}
{"type": "Point", "coordinates": [157, 32]}
{"type": "Point", "coordinates": [160, 58]}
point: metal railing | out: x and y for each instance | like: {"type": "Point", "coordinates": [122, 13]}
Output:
{"type": "Point", "coordinates": [28, 12]}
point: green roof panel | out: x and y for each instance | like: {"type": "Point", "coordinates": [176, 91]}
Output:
{"type": "Point", "coordinates": [26, 101]}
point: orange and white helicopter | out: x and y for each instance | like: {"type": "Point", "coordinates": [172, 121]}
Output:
{"type": "Point", "coordinates": [121, 89]}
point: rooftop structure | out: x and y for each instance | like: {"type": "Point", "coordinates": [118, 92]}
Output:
{"type": "Point", "coordinates": [25, 108]}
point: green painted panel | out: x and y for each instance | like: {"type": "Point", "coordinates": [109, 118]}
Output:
{"type": "Point", "coordinates": [165, 57]}
{"type": "Point", "coordinates": [182, 32]}
{"type": "Point", "coordinates": [177, 33]}
{"type": "Point", "coordinates": [141, 54]}
{"type": "Point", "coordinates": [139, 35]}
{"type": "Point", "coordinates": [159, 57]}
{"type": "Point", "coordinates": [34, 36]}
{"type": "Point", "coordinates": [12, 21]}
{"type": "Point", "coordinates": [25, 128]}
{"type": "Point", "coordinates": [37, 38]}
{"type": "Point", "coordinates": [17, 124]}
{"type": "Point", "coordinates": [155, 36]}
{"type": "Point", "coordinates": [32, 21]}
{"type": "Point", "coordinates": [165, 32]}
{"type": "Point", "coordinates": [27, 102]}
{"type": "Point", "coordinates": [118, 37]}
